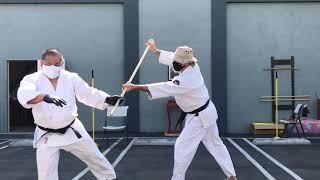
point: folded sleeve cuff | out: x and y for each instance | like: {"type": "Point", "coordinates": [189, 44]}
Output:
{"type": "Point", "coordinates": [25, 97]}
{"type": "Point", "coordinates": [102, 105]}
{"type": "Point", "coordinates": [157, 91]}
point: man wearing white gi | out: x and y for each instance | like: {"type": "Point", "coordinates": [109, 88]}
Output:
{"type": "Point", "coordinates": [192, 96]}
{"type": "Point", "coordinates": [52, 93]}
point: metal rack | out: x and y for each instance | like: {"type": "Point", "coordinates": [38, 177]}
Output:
{"type": "Point", "coordinates": [275, 63]}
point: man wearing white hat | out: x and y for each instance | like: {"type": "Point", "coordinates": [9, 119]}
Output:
{"type": "Point", "coordinates": [52, 93]}
{"type": "Point", "coordinates": [200, 114]}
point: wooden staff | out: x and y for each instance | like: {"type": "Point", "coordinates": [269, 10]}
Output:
{"type": "Point", "coordinates": [300, 96]}
{"type": "Point", "coordinates": [131, 78]}
{"type": "Point", "coordinates": [279, 99]}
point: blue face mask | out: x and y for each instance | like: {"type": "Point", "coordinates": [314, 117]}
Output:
{"type": "Point", "coordinates": [177, 66]}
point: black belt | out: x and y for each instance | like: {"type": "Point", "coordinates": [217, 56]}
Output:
{"type": "Point", "coordinates": [196, 112]}
{"type": "Point", "coordinates": [61, 130]}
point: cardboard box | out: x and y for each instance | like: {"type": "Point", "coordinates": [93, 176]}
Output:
{"type": "Point", "coordinates": [265, 131]}
{"type": "Point", "coordinates": [266, 128]}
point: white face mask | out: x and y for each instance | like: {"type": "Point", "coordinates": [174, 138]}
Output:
{"type": "Point", "coordinates": [51, 72]}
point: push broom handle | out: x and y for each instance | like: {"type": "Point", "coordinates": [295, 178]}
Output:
{"type": "Point", "coordinates": [131, 78]}
{"type": "Point", "coordinates": [92, 85]}
{"type": "Point", "coordinates": [277, 107]}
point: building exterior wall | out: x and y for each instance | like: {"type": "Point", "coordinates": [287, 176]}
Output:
{"type": "Point", "coordinates": [257, 31]}
{"type": "Point", "coordinates": [94, 36]}
{"type": "Point", "coordinates": [172, 24]}
{"type": "Point", "coordinates": [89, 35]}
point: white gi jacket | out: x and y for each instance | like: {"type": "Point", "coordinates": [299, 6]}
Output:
{"type": "Point", "coordinates": [187, 88]}
{"type": "Point", "coordinates": [69, 87]}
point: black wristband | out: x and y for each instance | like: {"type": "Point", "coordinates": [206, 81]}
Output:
{"type": "Point", "coordinates": [46, 98]}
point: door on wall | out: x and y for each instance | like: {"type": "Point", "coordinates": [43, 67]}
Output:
{"type": "Point", "coordinates": [20, 119]}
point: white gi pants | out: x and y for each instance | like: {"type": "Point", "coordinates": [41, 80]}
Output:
{"type": "Point", "coordinates": [187, 144]}
{"type": "Point", "coordinates": [86, 150]}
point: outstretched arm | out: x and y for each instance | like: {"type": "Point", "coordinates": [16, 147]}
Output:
{"type": "Point", "coordinates": [159, 90]}
{"type": "Point", "coordinates": [165, 57]}
{"type": "Point", "coordinates": [92, 96]}
{"type": "Point", "coordinates": [135, 87]}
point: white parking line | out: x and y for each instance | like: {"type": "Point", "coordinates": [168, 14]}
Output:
{"type": "Point", "coordinates": [294, 175]}
{"type": "Point", "coordinates": [3, 147]}
{"type": "Point", "coordinates": [82, 173]}
{"type": "Point", "coordinates": [5, 142]}
{"type": "Point", "coordinates": [252, 160]}
{"type": "Point", "coordinates": [116, 162]}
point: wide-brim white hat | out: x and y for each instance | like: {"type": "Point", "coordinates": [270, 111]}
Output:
{"type": "Point", "coordinates": [184, 55]}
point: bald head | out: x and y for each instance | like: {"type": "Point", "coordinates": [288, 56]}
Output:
{"type": "Point", "coordinates": [51, 52]}
{"type": "Point", "coordinates": [52, 56]}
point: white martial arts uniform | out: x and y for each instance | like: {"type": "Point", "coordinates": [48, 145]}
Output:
{"type": "Point", "coordinates": [190, 93]}
{"type": "Point", "coordinates": [69, 87]}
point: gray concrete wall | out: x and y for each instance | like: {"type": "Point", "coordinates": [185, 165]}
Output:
{"type": "Point", "coordinates": [172, 24]}
{"type": "Point", "coordinates": [256, 31]}
{"type": "Point", "coordinates": [90, 36]}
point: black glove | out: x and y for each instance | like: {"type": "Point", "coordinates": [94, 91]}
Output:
{"type": "Point", "coordinates": [113, 100]}
{"type": "Point", "coordinates": [55, 100]}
